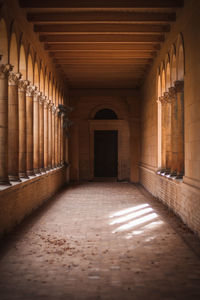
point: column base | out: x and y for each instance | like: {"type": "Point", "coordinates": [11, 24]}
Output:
{"type": "Point", "coordinates": [14, 178]}
{"type": "Point", "coordinates": [173, 174]}
{"type": "Point", "coordinates": [42, 170]}
{"type": "Point", "coordinates": [23, 175]}
{"type": "Point", "coordinates": [5, 181]}
{"type": "Point", "coordinates": [179, 176]}
{"type": "Point", "coordinates": [37, 171]}
{"type": "Point", "coordinates": [30, 173]}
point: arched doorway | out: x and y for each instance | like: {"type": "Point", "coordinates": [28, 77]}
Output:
{"type": "Point", "coordinates": [105, 147]}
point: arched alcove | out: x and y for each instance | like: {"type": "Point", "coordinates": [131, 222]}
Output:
{"type": "Point", "coordinates": [163, 82]}
{"type": "Point", "coordinates": [180, 63]}
{"type": "Point", "coordinates": [173, 66]}
{"type": "Point", "coordinates": [50, 88]}
{"type": "Point", "coordinates": [13, 53]}
{"type": "Point", "coordinates": [22, 61]}
{"type": "Point", "coordinates": [168, 84]}
{"type": "Point", "coordinates": [36, 75]}
{"type": "Point", "coordinates": [30, 69]}
{"type": "Point", "coordinates": [46, 85]}
{"type": "Point", "coordinates": [41, 80]}
{"type": "Point", "coordinates": [3, 42]}
{"type": "Point", "coordinates": [105, 114]}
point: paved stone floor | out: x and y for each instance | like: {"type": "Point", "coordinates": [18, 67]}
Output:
{"type": "Point", "coordinates": [101, 241]}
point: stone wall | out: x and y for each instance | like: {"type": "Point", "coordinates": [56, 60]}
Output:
{"type": "Point", "coordinates": [19, 200]}
{"type": "Point", "coordinates": [183, 197]}
{"type": "Point", "coordinates": [125, 103]}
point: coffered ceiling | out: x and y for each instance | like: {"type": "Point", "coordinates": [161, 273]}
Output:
{"type": "Point", "coordinates": [102, 44]}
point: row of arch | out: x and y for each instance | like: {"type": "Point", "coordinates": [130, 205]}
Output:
{"type": "Point", "coordinates": [170, 95]}
{"type": "Point", "coordinates": [16, 51]}
{"type": "Point", "coordinates": [32, 108]}
{"type": "Point", "coordinates": [172, 68]}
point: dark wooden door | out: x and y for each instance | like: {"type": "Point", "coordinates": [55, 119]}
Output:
{"type": "Point", "coordinates": [105, 153]}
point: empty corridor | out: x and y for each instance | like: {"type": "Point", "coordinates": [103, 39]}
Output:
{"type": "Point", "coordinates": [101, 241]}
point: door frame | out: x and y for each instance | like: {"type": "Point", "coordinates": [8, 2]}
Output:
{"type": "Point", "coordinates": [122, 127]}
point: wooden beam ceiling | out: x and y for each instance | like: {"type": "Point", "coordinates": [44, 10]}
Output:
{"type": "Point", "coordinates": [102, 43]}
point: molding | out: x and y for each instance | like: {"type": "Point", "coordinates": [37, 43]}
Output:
{"type": "Point", "coordinates": [192, 182]}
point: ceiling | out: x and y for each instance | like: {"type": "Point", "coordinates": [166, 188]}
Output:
{"type": "Point", "coordinates": [99, 43]}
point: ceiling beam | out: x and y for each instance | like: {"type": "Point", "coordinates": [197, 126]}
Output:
{"type": "Point", "coordinates": [101, 16]}
{"type": "Point", "coordinates": [101, 3]}
{"type": "Point", "coordinates": [104, 47]}
{"type": "Point", "coordinates": [103, 54]}
{"type": "Point", "coordinates": [101, 28]}
{"type": "Point", "coordinates": [136, 61]}
{"type": "Point", "coordinates": [102, 38]}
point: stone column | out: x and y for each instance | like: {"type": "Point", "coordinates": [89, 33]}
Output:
{"type": "Point", "coordinates": [174, 130]}
{"type": "Point", "coordinates": [4, 72]}
{"type": "Point", "coordinates": [179, 86]}
{"type": "Point", "coordinates": [29, 130]}
{"type": "Point", "coordinates": [167, 100]}
{"type": "Point", "coordinates": [13, 127]}
{"type": "Point", "coordinates": [163, 134]}
{"type": "Point", "coordinates": [36, 166]}
{"type": "Point", "coordinates": [50, 136]}
{"type": "Point", "coordinates": [46, 106]}
{"type": "Point", "coordinates": [62, 140]}
{"type": "Point", "coordinates": [56, 138]}
{"type": "Point", "coordinates": [53, 136]}
{"type": "Point", "coordinates": [59, 139]}
{"type": "Point", "coordinates": [22, 127]}
{"type": "Point", "coordinates": [41, 133]}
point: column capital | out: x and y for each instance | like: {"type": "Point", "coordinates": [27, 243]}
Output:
{"type": "Point", "coordinates": [36, 94]}
{"type": "Point", "coordinates": [22, 85]}
{"type": "Point", "coordinates": [5, 70]}
{"type": "Point", "coordinates": [54, 109]}
{"type": "Point", "coordinates": [13, 78]}
{"type": "Point", "coordinates": [167, 98]}
{"type": "Point", "coordinates": [50, 106]}
{"type": "Point", "coordinates": [46, 103]}
{"type": "Point", "coordinates": [172, 92]}
{"type": "Point", "coordinates": [162, 100]}
{"type": "Point", "coordinates": [179, 86]}
{"type": "Point", "coordinates": [30, 90]}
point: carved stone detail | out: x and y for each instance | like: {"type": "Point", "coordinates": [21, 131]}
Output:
{"type": "Point", "coordinates": [5, 70]}
{"type": "Point", "coordinates": [172, 92]}
{"type": "Point", "coordinates": [22, 85]}
{"type": "Point", "coordinates": [179, 86]}
{"type": "Point", "coordinates": [30, 90]}
{"type": "Point", "coordinates": [167, 98]}
{"type": "Point", "coordinates": [13, 78]}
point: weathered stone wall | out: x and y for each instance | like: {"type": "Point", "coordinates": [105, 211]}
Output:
{"type": "Point", "coordinates": [184, 197]}
{"type": "Point", "coordinates": [19, 200]}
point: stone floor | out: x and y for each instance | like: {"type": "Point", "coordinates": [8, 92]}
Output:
{"type": "Point", "coordinates": [101, 241]}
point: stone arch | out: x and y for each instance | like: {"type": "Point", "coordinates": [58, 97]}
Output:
{"type": "Point", "coordinates": [173, 65]}
{"type": "Point", "coordinates": [30, 68]}
{"type": "Point", "coordinates": [180, 58]}
{"type": "Point", "coordinates": [36, 74]}
{"type": "Point", "coordinates": [105, 114]}
{"type": "Point", "coordinates": [57, 95]}
{"type": "Point", "coordinates": [46, 85]}
{"type": "Point", "coordinates": [163, 80]}
{"type": "Point", "coordinates": [167, 73]}
{"type": "Point", "coordinates": [105, 106]}
{"type": "Point", "coordinates": [41, 80]}
{"type": "Point", "coordinates": [22, 61]}
{"type": "Point", "coordinates": [159, 92]}
{"type": "Point", "coordinates": [13, 52]}
{"type": "Point", "coordinates": [54, 92]}
{"type": "Point", "coordinates": [3, 41]}
{"type": "Point", "coordinates": [50, 88]}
